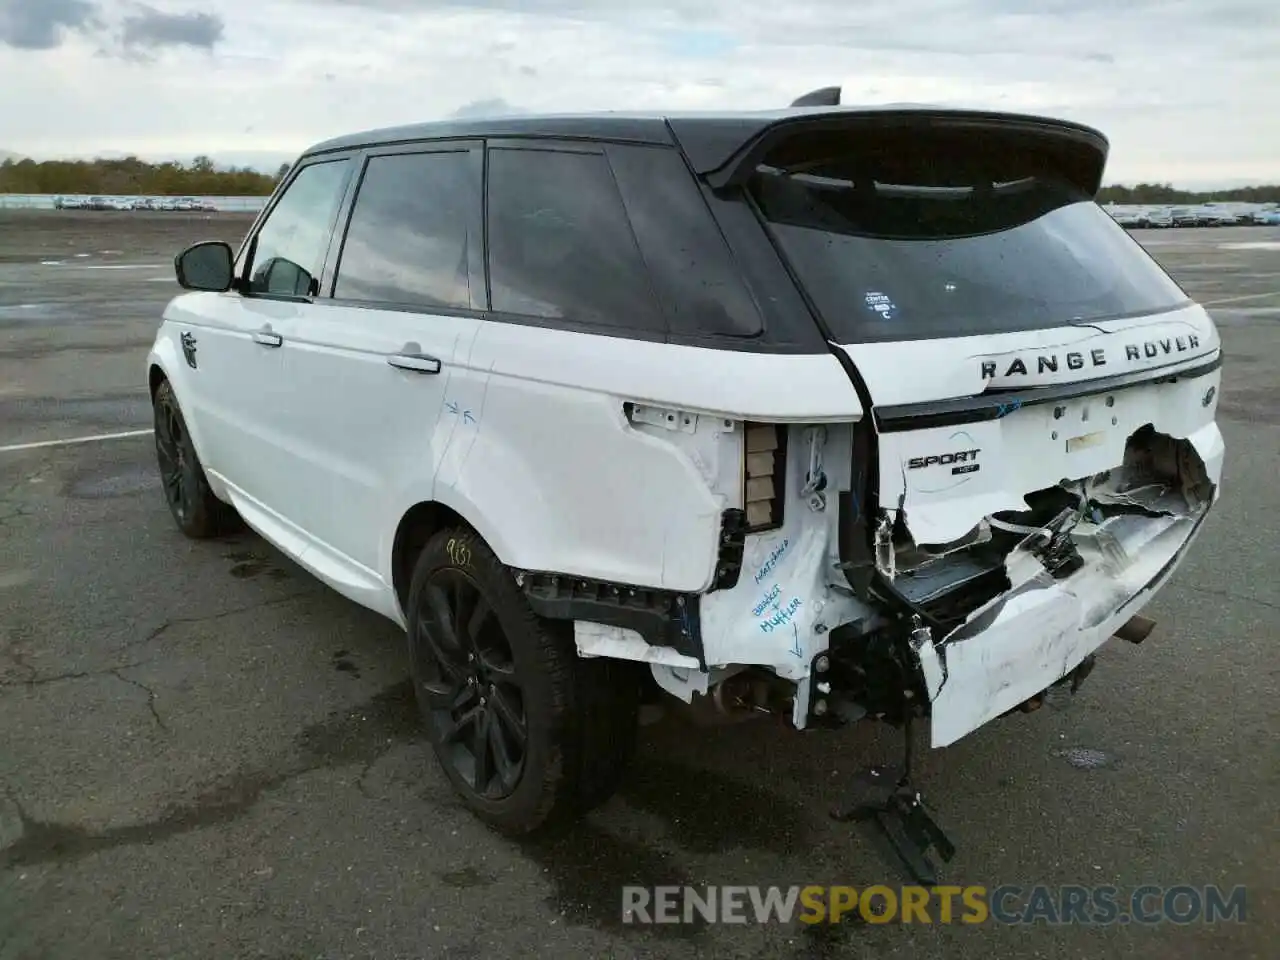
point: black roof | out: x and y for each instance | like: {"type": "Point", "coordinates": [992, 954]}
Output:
{"type": "Point", "coordinates": [641, 128]}
{"type": "Point", "coordinates": [708, 139]}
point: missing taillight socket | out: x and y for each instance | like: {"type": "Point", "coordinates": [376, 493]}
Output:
{"type": "Point", "coordinates": [763, 475]}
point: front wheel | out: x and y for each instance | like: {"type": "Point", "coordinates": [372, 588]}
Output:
{"type": "Point", "coordinates": [197, 512]}
{"type": "Point", "coordinates": [528, 734]}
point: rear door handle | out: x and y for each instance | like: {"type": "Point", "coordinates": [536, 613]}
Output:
{"type": "Point", "coordinates": [268, 339]}
{"type": "Point", "coordinates": [417, 362]}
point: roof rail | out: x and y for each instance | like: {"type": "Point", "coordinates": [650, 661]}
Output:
{"type": "Point", "coordinates": [826, 97]}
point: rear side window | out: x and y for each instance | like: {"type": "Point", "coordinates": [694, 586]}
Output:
{"type": "Point", "coordinates": [560, 244]}
{"type": "Point", "coordinates": [693, 271]}
{"type": "Point", "coordinates": [290, 247]}
{"type": "Point", "coordinates": [407, 242]}
{"type": "Point", "coordinates": [910, 240]}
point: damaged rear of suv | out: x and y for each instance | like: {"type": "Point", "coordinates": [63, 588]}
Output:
{"type": "Point", "coordinates": [827, 413]}
{"type": "Point", "coordinates": [1041, 445]}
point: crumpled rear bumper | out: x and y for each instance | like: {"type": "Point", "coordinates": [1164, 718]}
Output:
{"type": "Point", "coordinates": [1034, 634]}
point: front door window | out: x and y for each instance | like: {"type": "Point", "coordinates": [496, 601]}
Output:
{"type": "Point", "coordinates": [289, 250]}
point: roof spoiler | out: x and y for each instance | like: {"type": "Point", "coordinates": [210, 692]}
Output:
{"type": "Point", "coordinates": [733, 150]}
{"type": "Point", "coordinates": [825, 97]}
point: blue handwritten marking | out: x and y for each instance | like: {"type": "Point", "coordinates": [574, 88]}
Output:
{"type": "Point", "coordinates": [770, 599]}
{"type": "Point", "coordinates": [795, 646]}
{"type": "Point", "coordinates": [781, 615]}
{"type": "Point", "coordinates": [452, 407]}
{"type": "Point", "coordinates": [766, 568]}
{"type": "Point", "coordinates": [1004, 409]}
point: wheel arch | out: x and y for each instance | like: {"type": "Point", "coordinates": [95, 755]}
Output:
{"type": "Point", "coordinates": [417, 525]}
{"type": "Point", "coordinates": [156, 375]}
{"type": "Point", "coordinates": [423, 518]}
{"type": "Point", "coordinates": [159, 367]}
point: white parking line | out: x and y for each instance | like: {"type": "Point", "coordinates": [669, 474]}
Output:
{"type": "Point", "coordinates": [122, 266]}
{"type": "Point", "coordinates": [1251, 245]}
{"type": "Point", "coordinates": [13, 447]}
{"type": "Point", "coordinates": [1246, 296]}
{"type": "Point", "coordinates": [103, 266]}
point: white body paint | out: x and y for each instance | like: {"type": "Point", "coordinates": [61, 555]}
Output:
{"type": "Point", "coordinates": [323, 447]}
{"type": "Point", "coordinates": [1031, 449]}
{"type": "Point", "coordinates": [951, 367]}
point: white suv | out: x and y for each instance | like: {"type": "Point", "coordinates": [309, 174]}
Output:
{"type": "Point", "coordinates": [826, 413]}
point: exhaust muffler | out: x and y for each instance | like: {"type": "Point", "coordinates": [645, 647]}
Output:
{"type": "Point", "coordinates": [1136, 629]}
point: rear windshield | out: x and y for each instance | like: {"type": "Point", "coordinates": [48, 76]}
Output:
{"type": "Point", "coordinates": [930, 249]}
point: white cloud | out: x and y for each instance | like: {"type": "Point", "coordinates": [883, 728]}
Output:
{"type": "Point", "coordinates": [1184, 89]}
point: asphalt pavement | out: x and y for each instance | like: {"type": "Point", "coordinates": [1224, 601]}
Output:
{"type": "Point", "coordinates": [206, 753]}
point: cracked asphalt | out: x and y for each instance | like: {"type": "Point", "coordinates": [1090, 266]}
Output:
{"type": "Point", "coordinates": [205, 753]}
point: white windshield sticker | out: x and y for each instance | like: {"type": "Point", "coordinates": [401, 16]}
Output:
{"type": "Point", "coordinates": [881, 304]}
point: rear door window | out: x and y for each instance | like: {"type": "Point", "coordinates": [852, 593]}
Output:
{"type": "Point", "coordinates": [408, 240]}
{"type": "Point", "coordinates": [560, 244]}
{"type": "Point", "coordinates": [920, 242]}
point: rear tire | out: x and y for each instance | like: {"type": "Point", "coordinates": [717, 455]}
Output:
{"type": "Point", "coordinates": [530, 735]}
{"type": "Point", "coordinates": [197, 512]}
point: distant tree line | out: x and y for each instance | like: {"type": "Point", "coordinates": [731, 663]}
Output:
{"type": "Point", "coordinates": [130, 176]}
{"type": "Point", "coordinates": [1164, 193]}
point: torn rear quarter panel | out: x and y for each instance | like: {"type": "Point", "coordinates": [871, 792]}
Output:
{"type": "Point", "coordinates": [560, 480]}
{"type": "Point", "coordinates": [790, 592]}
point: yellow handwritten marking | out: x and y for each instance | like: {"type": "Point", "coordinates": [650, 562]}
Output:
{"type": "Point", "coordinates": [458, 552]}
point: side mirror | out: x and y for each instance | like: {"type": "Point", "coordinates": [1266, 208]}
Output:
{"type": "Point", "coordinates": [284, 278]}
{"type": "Point", "coordinates": [207, 265]}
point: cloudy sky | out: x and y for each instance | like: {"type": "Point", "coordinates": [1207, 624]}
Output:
{"type": "Point", "coordinates": [1187, 90]}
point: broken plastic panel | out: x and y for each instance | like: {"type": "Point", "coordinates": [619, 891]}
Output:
{"type": "Point", "coordinates": [1126, 532]}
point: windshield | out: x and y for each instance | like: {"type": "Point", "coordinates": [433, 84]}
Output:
{"type": "Point", "coordinates": [938, 252]}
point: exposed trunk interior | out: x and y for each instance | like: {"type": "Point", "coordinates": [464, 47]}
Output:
{"type": "Point", "coordinates": [1162, 480]}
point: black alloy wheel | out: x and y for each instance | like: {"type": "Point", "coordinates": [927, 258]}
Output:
{"type": "Point", "coordinates": [197, 512]}
{"type": "Point", "coordinates": [176, 458]}
{"type": "Point", "coordinates": [529, 734]}
{"type": "Point", "coordinates": [475, 697]}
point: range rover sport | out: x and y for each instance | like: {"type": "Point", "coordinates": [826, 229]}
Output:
{"type": "Point", "coordinates": [831, 413]}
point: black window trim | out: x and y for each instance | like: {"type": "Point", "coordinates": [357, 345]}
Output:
{"type": "Point", "coordinates": [243, 262]}
{"type": "Point", "coordinates": [477, 244]}
{"type": "Point", "coordinates": [775, 338]}
{"type": "Point", "coordinates": [587, 140]}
